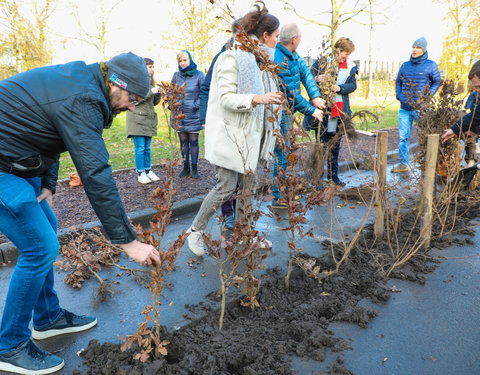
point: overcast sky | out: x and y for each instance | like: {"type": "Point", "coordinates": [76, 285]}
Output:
{"type": "Point", "coordinates": [138, 26]}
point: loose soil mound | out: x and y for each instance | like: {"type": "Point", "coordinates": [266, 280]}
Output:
{"type": "Point", "coordinates": [290, 322]}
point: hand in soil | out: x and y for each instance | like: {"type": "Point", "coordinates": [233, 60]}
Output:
{"type": "Point", "coordinates": [142, 253]}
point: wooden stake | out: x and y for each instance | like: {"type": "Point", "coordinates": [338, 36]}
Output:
{"type": "Point", "coordinates": [428, 184]}
{"type": "Point", "coordinates": [379, 224]}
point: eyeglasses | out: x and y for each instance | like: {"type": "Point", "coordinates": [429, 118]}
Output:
{"type": "Point", "coordinates": [132, 99]}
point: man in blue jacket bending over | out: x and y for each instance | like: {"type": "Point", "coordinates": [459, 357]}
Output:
{"type": "Point", "coordinates": [294, 72]}
{"type": "Point", "coordinates": [44, 112]}
{"type": "Point", "coordinates": [414, 77]}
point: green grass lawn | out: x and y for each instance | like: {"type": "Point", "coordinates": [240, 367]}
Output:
{"type": "Point", "coordinates": [121, 148]}
{"type": "Point", "coordinates": [385, 111]}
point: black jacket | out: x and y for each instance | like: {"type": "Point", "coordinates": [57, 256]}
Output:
{"type": "Point", "coordinates": [47, 111]}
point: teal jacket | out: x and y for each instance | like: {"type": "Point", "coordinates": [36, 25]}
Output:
{"type": "Point", "coordinates": [295, 71]}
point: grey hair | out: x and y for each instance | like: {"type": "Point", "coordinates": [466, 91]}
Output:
{"type": "Point", "coordinates": [288, 32]}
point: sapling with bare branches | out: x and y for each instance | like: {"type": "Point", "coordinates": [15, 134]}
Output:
{"type": "Point", "coordinates": [148, 339]}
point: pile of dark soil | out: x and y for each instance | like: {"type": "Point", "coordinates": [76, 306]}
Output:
{"type": "Point", "coordinates": [290, 322]}
{"type": "Point", "coordinates": [262, 341]}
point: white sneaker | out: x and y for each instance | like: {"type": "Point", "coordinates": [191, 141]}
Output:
{"type": "Point", "coordinates": [195, 242]}
{"type": "Point", "coordinates": [143, 178]}
{"type": "Point", "coordinates": [264, 243]}
{"type": "Point", "coordinates": [152, 176]}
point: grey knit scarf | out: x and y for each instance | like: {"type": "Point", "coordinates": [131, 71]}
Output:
{"type": "Point", "coordinates": [250, 82]}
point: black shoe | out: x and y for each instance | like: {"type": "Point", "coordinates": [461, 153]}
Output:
{"type": "Point", "coordinates": [28, 359]}
{"type": "Point", "coordinates": [186, 170]}
{"type": "Point", "coordinates": [337, 181]}
{"type": "Point", "coordinates": [194, 173]}
{"type": "Point", "coordinates": [67, 323]}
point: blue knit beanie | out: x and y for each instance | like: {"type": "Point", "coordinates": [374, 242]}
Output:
{"type": "Point", "coordinates": [421, 42]}
{"type": "Point", "coordinates": [129, 72]}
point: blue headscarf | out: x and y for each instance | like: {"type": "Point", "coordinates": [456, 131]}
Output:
{"type": "Point", "coordinates": [190, 70]}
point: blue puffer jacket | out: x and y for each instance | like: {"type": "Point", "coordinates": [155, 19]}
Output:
{"type": "Point", "coordinates": [414, 76]}
{"type": "Point", "coordinates": [296, 71]}
{"type": "Point", "coordinates": [471, 121]}
{"type": "Point", "coordinates": [191, 102]}
{"type": "Point", "coordinates": [47, 111]}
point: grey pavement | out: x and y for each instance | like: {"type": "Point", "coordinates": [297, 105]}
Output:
{"type": "Point", "coordinates": [423, 329]}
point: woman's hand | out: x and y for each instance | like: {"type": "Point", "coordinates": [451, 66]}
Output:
{"type": "Point", "coordinates": [318, 114]}
{"type": "Point", "coordinates": [142, 253]}
{"type": "Point", "coordinates": [320, 78]}
{"type": "Point", "coordinates": [268, 98]}
{"type": "Point", "coordinates": [337, 88]}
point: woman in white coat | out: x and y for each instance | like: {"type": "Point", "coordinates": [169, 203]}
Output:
{"type": "Point", "coordinates": [237, 133]}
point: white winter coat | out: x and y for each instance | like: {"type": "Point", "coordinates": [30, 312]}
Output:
{"type": "Point", "coordinates": [233, 127]}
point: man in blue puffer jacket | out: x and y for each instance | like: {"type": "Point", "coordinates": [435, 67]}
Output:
{"type": "Point", "coordinates": [44, 112]}
{"type": "Point", "coordinates": [414, 77]}
{"type": "Point", "coordinates": [294, 72]}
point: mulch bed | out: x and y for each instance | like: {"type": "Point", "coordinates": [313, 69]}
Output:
{"type": "Point", "coordinates": [72, 207]}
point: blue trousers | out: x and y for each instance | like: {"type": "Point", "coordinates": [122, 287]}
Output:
{"type": "Point", "coordinates": [280, 159]}
{"type": "Point", "coordinates": [32, 228]}
{"type": "Point", "coordinates": [405, 121]}
{"type": "Point", "coordinates": [142, 152]}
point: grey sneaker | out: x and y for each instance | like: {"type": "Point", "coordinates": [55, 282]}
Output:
{"type": "Point", "coordinates": [28, 359]}
{"type": "Point", "coordinates": [400, 168]}
{"type": "Point", "coordinates": [67, 323]}
{"type": "Point", "coordinates": [195, 242]}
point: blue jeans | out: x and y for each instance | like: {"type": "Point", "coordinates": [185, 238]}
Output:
{"type": "Point", "coordinates": [32, 228]}
{"type": "Point", "coordinates": [142, 152]}
{"type": "Point", "coordinates": [405, 121]}
{"type": "Point", "coordinates": [280, 159]}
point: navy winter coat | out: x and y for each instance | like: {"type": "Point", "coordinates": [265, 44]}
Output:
{"type": "Point", "coordinates": [295, 72]}
{"type": "Point", "coordinates": [346, 88]}
{"type": "Point", "coordinates": [191, 102]}
{"type": "Point", "coordinates": [47, 111]}
{"type": "Point", "coordinates": [414, 77]}
{"type": "Point", "coordinates": [471, 121]}
{"type": "Point", "coordinates": [205, 88]}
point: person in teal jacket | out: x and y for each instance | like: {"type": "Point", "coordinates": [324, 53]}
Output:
{"type": "Point", "coordinates": [294, 72]}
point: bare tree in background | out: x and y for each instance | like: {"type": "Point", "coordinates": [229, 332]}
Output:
{"type": "Point", "coordinates": [199, 29]}
{"type": "Point", "coordinates": [338, 14]}
{"type": "Point", "coordinates": [461, 44]}
{"type": "Point", "coordinates": [101, 13]}
{"type": "Point", "coordinates": [24, 43]}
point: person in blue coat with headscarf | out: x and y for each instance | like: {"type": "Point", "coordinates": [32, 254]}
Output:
{"type": "Point", "coordinates": [189, 128]}
{"type": "Point", "coordinates": [414, 76]}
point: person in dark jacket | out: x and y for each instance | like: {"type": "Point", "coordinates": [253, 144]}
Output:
{"type": "Point", "coordinates": [295, 71]}
{"type": "Point", "coordinates": [469, 125]}
{"type": "Point", "coordinates": [141, 126]}
{"type": "Point", "coordinates": [228, 208]}
{"type": "Point", "coordinates": [414, 77]}
{"type": "Point", "coordinates": [44, 112]}
{"type": "Point", "coordinates": [189, 128]}
{"type": "Point", "coordinates": [346, 83]}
